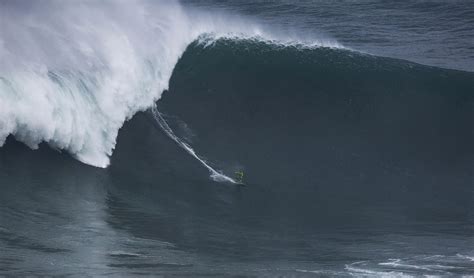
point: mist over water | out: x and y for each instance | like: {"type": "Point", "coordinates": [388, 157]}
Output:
{"type": "Point", "coordinates": [142, 112]}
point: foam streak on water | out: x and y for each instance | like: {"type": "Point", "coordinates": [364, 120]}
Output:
{"type": "Point", "coordinates": [214, 174]}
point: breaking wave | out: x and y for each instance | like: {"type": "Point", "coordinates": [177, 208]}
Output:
{"type": "Point", "coordinates": [73, 73]}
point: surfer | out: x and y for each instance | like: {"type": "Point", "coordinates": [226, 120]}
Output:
{"type": "Point", "coordinates": [239, 176]}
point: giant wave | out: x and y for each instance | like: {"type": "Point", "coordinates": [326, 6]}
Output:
{"type": "Point", "coordinates": [71, 74]}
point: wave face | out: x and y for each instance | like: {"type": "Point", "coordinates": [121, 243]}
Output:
{"type": "Point", "coordinates": [71, 74]}
{"type": "Point", "coordinates": [300, 114]}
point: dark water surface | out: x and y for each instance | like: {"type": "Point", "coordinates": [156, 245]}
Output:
{"type": "Point", "coordinates": [355, 165]}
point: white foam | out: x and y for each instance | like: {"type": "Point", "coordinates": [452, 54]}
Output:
{"type": "Point", "coordinates": [466, 257]}
{"type": "Point", "coordinates": [358, 270]}
{"type": "Point", "coordinates": [397, 263]}
{"type": "Point", "coordinates": [72, 73]}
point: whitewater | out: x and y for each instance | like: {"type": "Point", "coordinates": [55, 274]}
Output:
{"type": "Point", "coordinates": [72, 74]}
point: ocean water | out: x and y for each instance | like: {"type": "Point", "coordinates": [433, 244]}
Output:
{"type": "Point", "coordinates": [123, 124]}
